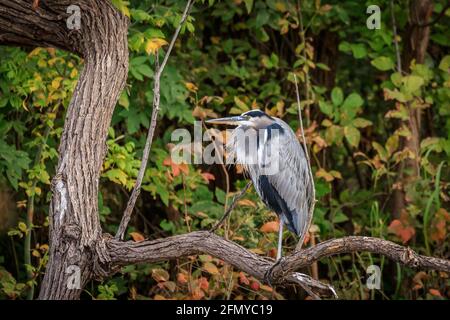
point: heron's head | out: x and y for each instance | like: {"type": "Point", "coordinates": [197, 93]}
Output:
{"type": "Point", "coordinates": [254, 119]}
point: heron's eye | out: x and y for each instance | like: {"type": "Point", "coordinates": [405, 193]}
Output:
{"type": "Point", "coordinates": [247, 117]}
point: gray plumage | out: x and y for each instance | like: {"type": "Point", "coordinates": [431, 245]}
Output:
{"type": "Point", "coordinates": [277, 166]}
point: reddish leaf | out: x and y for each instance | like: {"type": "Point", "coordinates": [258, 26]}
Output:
{"type": "Point", "coordinates": [243, 279]}
{"type": "Point", "coordinates": [255, 285]}
{"type": "Point", "coordinates": [401, 228]}
{"type": "Point", "coordinates": [181, 278]}
{"type": "Point", "coordinates": [435, 292]}
{"type": "Point", "coordinates": [208, 177]}
{"type": "Point", "coordinates": [307, 238]}
{"type": "Point", "coordinates": [137, 237]}
{"type": "Point", "coordinates": [176, 167]}
{"type": "Point", "coordinates": [272, 226]}
{"type": "Point", "coordinates": [203, 283]}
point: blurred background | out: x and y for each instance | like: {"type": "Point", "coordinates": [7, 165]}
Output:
{"type": "Point", "coordinates": [375, 91]}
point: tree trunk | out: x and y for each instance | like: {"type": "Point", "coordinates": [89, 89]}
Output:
{"type": "Point", "coordinates": [77, 250]}
{"type": "Point", "coordinates": [415, 48]}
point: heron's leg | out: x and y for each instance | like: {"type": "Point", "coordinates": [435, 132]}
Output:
{"type": "Point", "coordinates": [280, 239]}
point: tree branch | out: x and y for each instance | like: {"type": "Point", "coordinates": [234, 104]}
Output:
{"type": "Point", "coordinates": [231, 207]}
{"type": "Point", "coordinates": [282, 273]}
{"type": "Point", "coordinates": [151, 131]}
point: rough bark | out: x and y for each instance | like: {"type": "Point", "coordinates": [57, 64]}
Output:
{"type": "Point", "coordinates": [124, 253]}
{"type": "Point", "coordinates": [75, 232]}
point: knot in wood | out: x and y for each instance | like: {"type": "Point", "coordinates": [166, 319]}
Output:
{"type": "Point", "coordinates": [410, 258]}
{"type": "Point", "coordinates": [71, 232]}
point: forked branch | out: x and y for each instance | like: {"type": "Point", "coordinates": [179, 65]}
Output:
{"type": "Point", "coordinates": [283, 273]}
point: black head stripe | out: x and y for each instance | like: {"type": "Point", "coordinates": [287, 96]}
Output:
{"type": "Point", "coordinates": [255, 114]}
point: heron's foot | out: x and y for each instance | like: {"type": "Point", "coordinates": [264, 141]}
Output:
{"type": "Point", "coordinates": [268, 273]}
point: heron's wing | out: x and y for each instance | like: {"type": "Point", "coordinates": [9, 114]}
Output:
{"type": "Point", "coordinates": [292, 180]}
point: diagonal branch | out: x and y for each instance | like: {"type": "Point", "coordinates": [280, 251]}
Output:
{"type": "Point", "coordinates": [151, 131]}
{"type": "Point", "coordinates": [311, 177]}
{"type": "Point", "coordinates": [231, 207]}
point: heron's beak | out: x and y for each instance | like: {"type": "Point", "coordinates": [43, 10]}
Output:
{"type": "Point", "coordinates": [229, 120]}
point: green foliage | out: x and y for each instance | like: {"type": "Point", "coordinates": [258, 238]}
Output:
{"type": "Point", "coordinates": [233, 56]}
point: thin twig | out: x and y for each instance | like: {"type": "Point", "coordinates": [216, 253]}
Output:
{"type": "Point", "coordinates": [148, 144]}
{"type": "Point", "coordinates": [305, 58]}
{"type": "Point", "coordinates": [227, 177]}
{"type": "Point", "coordinates": [231, 207]}
{"type": "Point", "coordinates": [394, 30]}
{"type": "Point", "coordinates": [313, 188]}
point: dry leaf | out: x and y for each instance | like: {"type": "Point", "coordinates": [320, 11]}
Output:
{"type": "Point", "coordinates": [160, 275]}
{"type": "Point", "coordinates": [203, 283]}
{"type": "Point", "coordinates": [402, 227]}
{"type": "Point", "coordinates": [272, 226]}
{"type": "Point", "coordinates": [243, 279]}
{"type": "Point", "coordinates": [191, 87]}
{"type": "Point", "coordinates": [211, 268]}
{"type": "Point", "coordinates": [182, 278]}
{"type": "Point", "coordinates": [247, 203]}
{"type": "Point", "coordinates": [266, 288]}
{"type": "Point", "coordinates": [435, 292]}
{"type": "Point", "coordinates": [208, 176]}
{"type": "Point", "coordinates": [152, 46]}
{"type": "Point", "coordinates": [402, 230]}
{"type": "Point", "coordinates": [137, 237]}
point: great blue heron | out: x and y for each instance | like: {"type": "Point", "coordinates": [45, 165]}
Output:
{"type": "Point", "coordinates": [278, 167]}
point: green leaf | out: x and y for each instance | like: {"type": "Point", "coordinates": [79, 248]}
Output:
{"type": "Point", "coordinates": [164, 195]}
{"type": "Point", "coordinates": [146, 70]}
{"type": "Point", "coordinates": [122, 6]}
{"type": "Point", "coordinates": [123, 100]}
{"type": "Point", "coordinates": [326, 108]}
{"type": "Point", "coordinates": [322, 66]}
{"type": "Point", "coordinates": [412, 83]}
{"type": "Point", "coordinates": [361, 123]}
{"type": "Point", "coordinates": [353, 101]}
{"type": "Point", "coordinates": [220, 195]}
{"type": "Point", "coordinates": [248, 5]}
{"type": "Point", "coordinates": [345, 46]}
{"type": "Point", "coordinates": [352, 135]}
{"type": "Point", "coordinates": [383, 63]}
{"type": "Point", "coordinates": [22, 227]}
{"type": "Point", "coordinates": [340, 217]}
{"type": "Point", "coordinates": [337, 96]}
{"type": "Point", "coordinates": [396, 79]}
{"type": "Point", "coordinates": [359, 50]}
{"type": "Point", "coordinates": [241, 104]}
{"type": "Point", "coordinates": [380, 150]}
{"type": "Point", "coordinates": [445, 63]}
